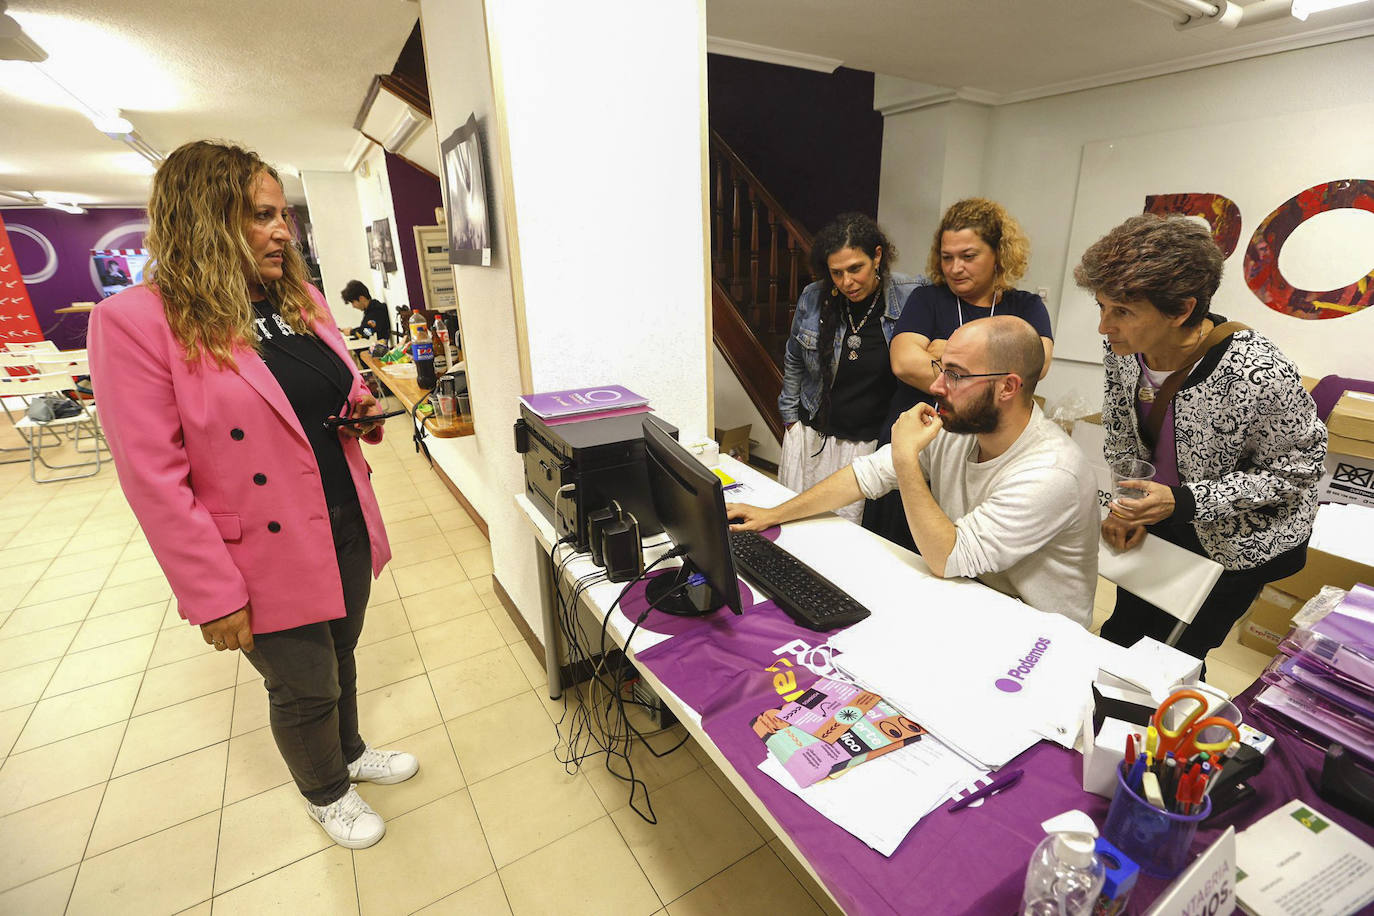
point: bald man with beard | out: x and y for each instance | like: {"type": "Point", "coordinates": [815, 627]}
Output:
{"type": "Point", "coordinates": [992, 489]}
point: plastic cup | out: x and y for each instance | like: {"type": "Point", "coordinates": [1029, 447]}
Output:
{"type": "Point", "coordinates": [464, 405]}
{"type": "Point", "coordinates": [1128, 471]}
{"type": "Point", "coordinates": [1158, 841]}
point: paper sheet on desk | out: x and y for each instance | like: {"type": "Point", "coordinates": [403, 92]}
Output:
{"type": "Point", "coordinates": [984, 672]}
{"type": "Point", "coordinates": [882, 800]}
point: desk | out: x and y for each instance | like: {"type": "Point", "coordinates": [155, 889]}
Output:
{"type": "Point", "coordinates": [409, 393]}
{"type": "Point", "coordinates": [973, 861]}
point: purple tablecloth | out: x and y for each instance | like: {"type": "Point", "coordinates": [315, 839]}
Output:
{"type": "Point", "coordinates": [971, 861]}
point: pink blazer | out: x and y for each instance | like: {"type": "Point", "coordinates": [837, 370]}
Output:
{"type": "Point", "coordinates": [187, 443]}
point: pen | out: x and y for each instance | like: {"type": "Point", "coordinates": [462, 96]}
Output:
{"type": "Point", "coordinates": [1169, 778]}
{"type": "Point", "coordinates": [1184, 795]}
{"type": "Point", "coordinates": [1002, 781]}
{"type": "Point", "coordinates": [1128, 762]}
{"type": "Point", "coordinates": [1137, 771]}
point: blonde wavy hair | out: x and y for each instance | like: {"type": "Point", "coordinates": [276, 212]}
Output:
{"type": "Point", "coordinates": [199, 209]}
{"type": "Point", "coordinates": [998, 229]}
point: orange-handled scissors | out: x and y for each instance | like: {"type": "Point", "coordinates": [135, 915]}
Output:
{"type": "Point", "coordinates": [1185, 740]}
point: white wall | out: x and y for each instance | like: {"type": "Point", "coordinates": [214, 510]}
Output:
{"type": "Point", "coordinates": [735, 408]}
{"type": "Point", "coordinates": [1030, 162]}
{"type": "Point", "coordinates": [374, 200]}
{"type": "Point", "coordinates": [605, 144]}
{"type": "Point", "coordinates": [337, 221]}
{"type": "Point", "coordinates": [600, 234]}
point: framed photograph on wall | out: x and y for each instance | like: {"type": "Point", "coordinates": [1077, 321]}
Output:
{"type": "Point", "coordinates": [465, 196]}
{"type": "Point", "coordinates": [386, 251]}
{"type": "Point", "coordinates": [373, 252]}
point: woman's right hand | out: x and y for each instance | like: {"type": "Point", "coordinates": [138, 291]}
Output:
{"type": "Point", "coordinates": [1121, 534]}
{"type": "Point", "coordinates": [231, 632]}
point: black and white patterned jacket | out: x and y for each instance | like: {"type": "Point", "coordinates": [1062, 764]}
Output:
{"type": "Point", "coordinates": [1249, 445]}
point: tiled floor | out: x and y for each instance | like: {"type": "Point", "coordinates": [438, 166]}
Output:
{"type": "Point", "coordinates": [137, 772]}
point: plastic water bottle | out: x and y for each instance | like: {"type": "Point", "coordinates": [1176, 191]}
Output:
{"type": "Point", "coordinates": [1065, 876]}
{"type": "Point", "coordinates": [422, 351]}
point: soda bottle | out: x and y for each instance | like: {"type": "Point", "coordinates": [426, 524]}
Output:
{"type": "Point", "coordinates": [442, 359]}
{"type": "Point", "coordinates": [421, 351]}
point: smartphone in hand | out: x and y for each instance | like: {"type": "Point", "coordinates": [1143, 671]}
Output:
{"type": "Point", "coordinates": [336, 422]}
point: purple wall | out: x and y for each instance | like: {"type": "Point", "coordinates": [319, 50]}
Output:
{"type": "Point", "coordinates": [59, 244]}
{"type": "Point", "coordinates": [414, 195]}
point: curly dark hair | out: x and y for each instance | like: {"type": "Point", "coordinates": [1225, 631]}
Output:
{"type": "Point", "coordinates": [848, 230]}
{"type": "Point", "coordinates": [354, 289]}
{"type": "Point", "coordinates": [1163, 260]}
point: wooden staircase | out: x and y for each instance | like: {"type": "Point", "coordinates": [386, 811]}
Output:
{"type": "Point", "coordinates": [760, 260]}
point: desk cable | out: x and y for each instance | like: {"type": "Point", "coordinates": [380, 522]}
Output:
{"type": "Point", "coordinates": [598, 724]}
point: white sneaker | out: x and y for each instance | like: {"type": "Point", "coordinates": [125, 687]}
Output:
{"type": "Point", "coordinates": [383, 767]}
{"type": "Point", "coordinates": [350, 822]}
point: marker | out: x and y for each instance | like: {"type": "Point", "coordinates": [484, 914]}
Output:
{"type": "Point", "coordinates": [1136, 774]}
{"type": "Point", "coordinates": [1151, 743]}
{"type": "Point", "coordinates": [1130, 752]}
{"type": "Point", "coordinates": [1184, 795]}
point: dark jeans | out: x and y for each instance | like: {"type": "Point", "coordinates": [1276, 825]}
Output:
{"type": "Point", "coordinates": [312, 679]}
{"type": "Point", "coordinates": [1228, 601]}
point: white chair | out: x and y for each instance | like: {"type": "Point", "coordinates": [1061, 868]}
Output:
{"type": "Point", "coordinates": [73, 363]}
{"type": "Point", "coordinates": [22, 362]}
{"type": "Point", "coordinates": [36, 346]}
{"type": "Point", "coordinates": [1175, 580]}
{"type": "Point", "coordinates": [30, 386]}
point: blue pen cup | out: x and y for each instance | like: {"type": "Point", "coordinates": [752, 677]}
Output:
{"type": "Point", "coordinates": [1157, 841]}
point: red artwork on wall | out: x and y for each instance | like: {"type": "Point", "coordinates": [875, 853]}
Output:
{"type": "Point", "coordinates": [17, 321]}
{"type": "Point", "coordinates": [1221, 214]}
{"type": "Point", "coordinates": [1262, 257]}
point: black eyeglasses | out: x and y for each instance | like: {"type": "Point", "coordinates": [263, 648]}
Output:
{"type": "Point", "coordinates": [952, 378]}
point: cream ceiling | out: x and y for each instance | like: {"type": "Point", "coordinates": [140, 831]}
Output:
{"type": "Point", "coordinates": [284, 78]}
{"type": "Point", "coordinates": [287, 78]}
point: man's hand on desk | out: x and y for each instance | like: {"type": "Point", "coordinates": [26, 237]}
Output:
{"type": "Point", "coordinates": [744, 517]}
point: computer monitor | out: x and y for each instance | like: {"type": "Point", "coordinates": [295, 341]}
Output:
{"type": "Point", "coordinates": [116, 269]}
{"type": "Point", "coordinates": [690, 503]}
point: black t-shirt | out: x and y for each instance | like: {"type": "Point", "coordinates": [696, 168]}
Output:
{"type": "Point", "coordinates": [863, 386]}
{"type": "Point", "coordinates": [377, 316]}
{"type": "Point", "coordinates": [317, 383]}
{"type": "Point", "coordinates": [935, 312]}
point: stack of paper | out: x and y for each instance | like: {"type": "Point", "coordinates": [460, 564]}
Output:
{"type": "Point", "coordinates": [983, 672]}
{"type": "Point", "coordinates": [882, 800]}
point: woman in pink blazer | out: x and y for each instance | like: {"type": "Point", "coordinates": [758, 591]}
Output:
{"type": "Point", "coordinates": [219, 380]}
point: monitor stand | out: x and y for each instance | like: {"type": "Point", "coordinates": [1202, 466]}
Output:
{"type": "Point", "coordinates": [686, 594]}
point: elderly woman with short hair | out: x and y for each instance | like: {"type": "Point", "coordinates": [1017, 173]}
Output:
{"type": "Point", "coordinates": [1218, 410]}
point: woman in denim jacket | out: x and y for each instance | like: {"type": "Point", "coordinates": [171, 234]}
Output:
{"type": "Point", "coordinates": [837, 376]}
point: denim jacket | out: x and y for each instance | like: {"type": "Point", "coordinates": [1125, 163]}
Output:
{"type": "Point", "coordinates": [801, 367]}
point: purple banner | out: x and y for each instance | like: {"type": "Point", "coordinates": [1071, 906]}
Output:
{"type": "Point", "coordinates": [54, 253]}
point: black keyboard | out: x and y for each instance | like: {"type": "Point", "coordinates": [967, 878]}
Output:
{"type": "Point", "coordinates": [808, 597]}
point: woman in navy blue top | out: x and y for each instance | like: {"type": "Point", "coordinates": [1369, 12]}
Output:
{"type": "Point", "coordinates": [978, 254]}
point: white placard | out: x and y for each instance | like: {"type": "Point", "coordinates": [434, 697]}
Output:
{"type": "Point", "coordinates": [1259, 165]}
{"type": "Point", "coordinates": [1208, 886]}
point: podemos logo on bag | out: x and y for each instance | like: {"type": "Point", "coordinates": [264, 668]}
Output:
{"type": "Point", "coordinates": [1016, 674]}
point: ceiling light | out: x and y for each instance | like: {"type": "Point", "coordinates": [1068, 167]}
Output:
{"type": "Point", "coordinates": [113, 126]}
{"type": "Point", "coordinates": [14, 44]}
{"type": "Point", "coordinates": [65, 208]}
{"type": "Point", "coordinates": [1304, 8]}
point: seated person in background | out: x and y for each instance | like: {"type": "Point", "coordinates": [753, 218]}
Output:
{"type": "Point", "coordinates": [991, 488]}
{"type": "Point", "coordinates": [376, 315]}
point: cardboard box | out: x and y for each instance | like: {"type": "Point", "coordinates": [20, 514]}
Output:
{"type": "Point", "coordinates": [1348, 476]}
{"type": "Point", "coordinates": [1269, 617]}
{"type": "Point", "coordinates": [1353, 416]}
{"type": "Point", "coordinates": [734, 442]}
{"type": "Point", "coordinates": [1268, 620]}
{"type": "Point", "coordinates": [1308, 383]}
